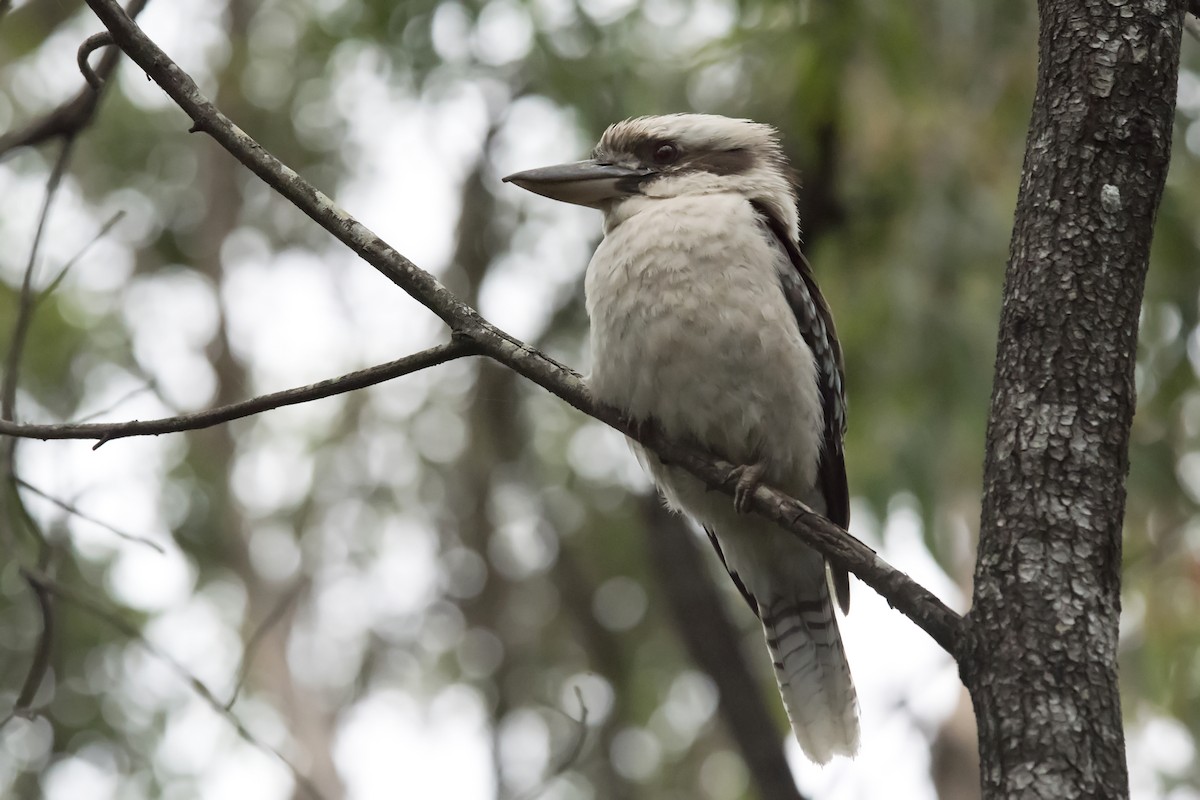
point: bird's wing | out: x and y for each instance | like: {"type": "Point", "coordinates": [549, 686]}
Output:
{"type": "Point", "coordinates": [733, 573]}
{"type": "Point", "coordinates": [816, 326]}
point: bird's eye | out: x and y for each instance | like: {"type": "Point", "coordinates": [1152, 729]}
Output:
{"type": "Point", "coordinates": [666, 153]}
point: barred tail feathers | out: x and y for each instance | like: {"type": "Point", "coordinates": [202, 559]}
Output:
{"type": "Point", "coordinates": [814, 678]}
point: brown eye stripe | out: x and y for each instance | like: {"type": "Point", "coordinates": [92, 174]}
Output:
{"type": "Point", "coordinates": [645, 150]}
{"type": "Point", "coordinates": [722, 162]}
{"type": "Point", "coordinates": [719, 162]}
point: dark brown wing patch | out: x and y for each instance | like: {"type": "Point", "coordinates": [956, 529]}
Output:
{"type": "Point", "coordinates": [737, 579]}
{"type": "Point", "coordinates": [816, 326]}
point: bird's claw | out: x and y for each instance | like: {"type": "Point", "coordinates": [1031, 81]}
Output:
{"type": "Point", "coordinates": [749, 476]}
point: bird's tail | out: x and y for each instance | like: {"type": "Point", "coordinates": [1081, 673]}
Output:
{"type": "Point", "coordinates": [814, 678]}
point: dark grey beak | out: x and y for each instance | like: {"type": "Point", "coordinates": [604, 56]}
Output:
{"type": "Point", "coordinates": [584, 183]}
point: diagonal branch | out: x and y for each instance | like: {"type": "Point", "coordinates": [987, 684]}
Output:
{"type": "Point", "coordinates": [458, 347]}
{"type": "Point", "coordinates": [913, 600]}
{"type": "Point", "coordinates": [74, 510]}
{"type": "Point", "coordinates": [54, 282]}
{"type": "Point", "coordinates": [281, 609]}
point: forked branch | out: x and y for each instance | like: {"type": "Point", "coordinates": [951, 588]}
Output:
{"type": "Point", "coordinates": [107, 431]}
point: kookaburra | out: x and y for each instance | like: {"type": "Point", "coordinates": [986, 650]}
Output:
{"type": "Point", "coordinates": [706, 317]}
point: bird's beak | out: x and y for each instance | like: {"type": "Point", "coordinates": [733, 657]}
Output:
{"type": "Point", "coordinates": [584, 183]}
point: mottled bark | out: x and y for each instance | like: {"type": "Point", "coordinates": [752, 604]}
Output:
{"type": "Point", "coordinates": [1041, 657]}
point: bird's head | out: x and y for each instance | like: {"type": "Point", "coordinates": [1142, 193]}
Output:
{"type": "Point", "coordinates": [673, 156]}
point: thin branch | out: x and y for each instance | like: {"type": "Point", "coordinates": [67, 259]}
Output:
{"type": "Point", "coordinates": [25, 306]}
{"type": "Point", "coordinates": [21, 519]}
{"type": "Point", "coordinates": [13, 505]}
{"type": "Point", "coordinates": [39, 665]}
{"type": "Point", "coordinates": [572, 753]}
{"type": "Point", "coordinates": [41, 654]}
{"type": "Point", "coordinates": [576, 749]}
{"type": "Point", "coordinates": [146, 386]}
{"type": "Point", "coordinates": [112, 617]}
{"type": "Point", "coordinates": [73, 510]}
{"type": "Point", "coordinates": [1191, 21]}
{"type": "Point", "coordinates": [108, 431]}
{"type": "Point", "coordinates": [89, 46]}
{"type": "Point", "coordinates": [73, 260]}
{"type": "Point", "coordinates": [75, 114]}
{"type": "Point", "coordinates": [911, 599]}
{"type": "Point", "coordinates": [260, 633]}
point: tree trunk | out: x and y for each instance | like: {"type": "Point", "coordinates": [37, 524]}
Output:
{"type": "Point", "coordinates": [1040, 662]}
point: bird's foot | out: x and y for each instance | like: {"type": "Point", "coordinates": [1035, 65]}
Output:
{"type": "Point", "coordinates": [749, 476]}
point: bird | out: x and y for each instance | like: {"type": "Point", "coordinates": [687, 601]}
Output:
{"type": "Point", "coordinates": [706, 318]}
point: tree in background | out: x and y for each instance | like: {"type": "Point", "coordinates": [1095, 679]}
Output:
{"type": "Point", "coordinates": [457, 550]}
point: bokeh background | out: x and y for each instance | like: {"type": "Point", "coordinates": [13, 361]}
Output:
{"type": "Point", "coordinates": [410, 590]}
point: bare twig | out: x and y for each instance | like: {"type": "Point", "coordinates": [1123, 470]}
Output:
{"type": "Point", "coordinates": [572, 753]}
{"type": "Point", "coordinates": [108, 431]}
{"type": "Point", "coordinates": [16, 349]}
{"type": "Point", "coordinates": [146, 386]}
{"type": "Point", "coordinates": [75, 114]}
{"type": "Point", "coordinates": [40, 663]}
{"type": "Point", "coordinates": [41, 654]}
{"type": "Point", "coordinates": [14, 507]}
{"type": "Point", "coordinates": [112, 616]}
{"type": "Point", "coordinates": [1191, 20]}
{"type": "Point", "coordinates": [73, 510]}
{"type": "Point", "coordinates": [89, 46]}
{"type": "Point", "coordinates": [264, 627]}
{"type": "Point", "coordinates": [912, 599]}
{"type": "Point", "coordinates": [73, 260]}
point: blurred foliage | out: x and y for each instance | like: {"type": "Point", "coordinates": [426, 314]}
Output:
{"type": "Point", "coordinates": [906, 123]}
